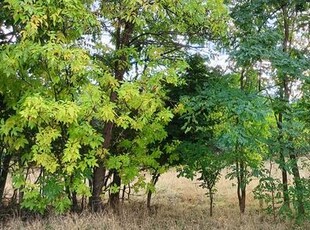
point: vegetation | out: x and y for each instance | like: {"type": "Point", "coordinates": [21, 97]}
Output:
{"type": "Point", "coordinates": [95, 96]}
{"type": "Point", "coordinates": [179, 203]}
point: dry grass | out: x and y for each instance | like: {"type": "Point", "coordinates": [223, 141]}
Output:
{"type": "Point", "coordinates": [178, 204]}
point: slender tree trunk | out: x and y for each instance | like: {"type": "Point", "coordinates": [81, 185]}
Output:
{"type": "Point", "coordinates": [298, 186]}
{"type": "Point", "coordinates": [148, 199]}
{"type": "Point", "coordinates": [4, 173]}
{"type": "Point", "coordinates": [285, 92]}
{"type": "Point", "coordinates": [123, 193]}
{"type": "Point", "coordinates": [114, 198]}
{"type": "Point", "coordinates": [211, 201]}
{"type": "Point", "coordinates": [75, 204]}
{"type": "Point", "coordinates": [286, 198]}
{"type": "Point", "coordinates": [123, 34]}
{"type": "Point", "coordinates": [154, 180]}
{"type": "Point", "coordinates": [241, 197]}
{"type": "Point", "coordinates": [241, 187]}
{"type": "Point", "coordinates": [241, 166]}
{"type": "Point", "coordinates": [284, 97]}
{"type": "Point", "coordinates": [97, 183]}
{"type": "Point", "coordinates": [5, 158]}
{"type": "Point", "coordinates": [99, 172]}
{"type": "Point", "coordinates": [72, 196]}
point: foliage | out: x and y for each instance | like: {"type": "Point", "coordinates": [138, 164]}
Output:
{"type": "Point", "coordinates": [96, 94]}
{"type": "Point", "coordinates": [272, 47]}
{"type": "Point", "coordinates": [79, 104]}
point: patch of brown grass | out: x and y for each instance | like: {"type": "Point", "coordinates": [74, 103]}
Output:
{"type": "Point", "coordinates": [177, 204]}
{"type": "Point", "coordinates": [166, 217]}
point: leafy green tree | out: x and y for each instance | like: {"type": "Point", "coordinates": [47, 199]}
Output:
{"type": "Point", "coordinates": [93, 113]}
{"type": "Point", "coordinates": [42, 72]}
{"type": "Point", "coordinates": [147, 39]}
{"type": "Point", "coordinates": [233, 125]}
{"type": "Point", "coordinates": [272, 45]}
{"type": "Point", "coordinates": [223, 125]}
{"type": "Point", "coordinates": [196, 150]}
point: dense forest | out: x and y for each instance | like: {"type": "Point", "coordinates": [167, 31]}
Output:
{"type": "Point", "coordinates": [100, 98]}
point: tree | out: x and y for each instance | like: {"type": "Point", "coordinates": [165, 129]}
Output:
{"type": "Point", "coordinates": [42, 71]}
{"type": "Point", "coordinates": [224, 125]}
{"type": "Point", "coordinates": [237, 125]}
{"type": "Point", "coordinates": [274, 39]}
{"type": "Point", "coordinates": [148, 38]}
{"type": "Point", "coordinates": [194, 127]}
{"type": "Point", "coordinates": [94, 113]}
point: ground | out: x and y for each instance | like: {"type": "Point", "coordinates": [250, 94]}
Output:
{"type": "Point", "coordinates": [179, 203]}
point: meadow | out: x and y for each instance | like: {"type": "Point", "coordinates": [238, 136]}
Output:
{"type": "Point", "coordinates": [178, 203]}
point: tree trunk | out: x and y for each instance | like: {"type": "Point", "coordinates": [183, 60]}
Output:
{"type": "Point", "coordinates": [75, 204]}
{"type": "Point", "coordinates": [242, 198]}
{"type": "Point", "coordinates": [240, 165]}
{"type": "Point", "coordinates": [114, 197]}
{"type": "Point", "coordinates": [211, 201]}
{"type": "Point", "coordinates": [123, 193]}
{"type": "Point", "coordinates": [241, 187]}
{"type": "Point", "coordinates": [286, 96]}
{"type": "Point", "coordinates": [97, 184]}
{"type": "Point", "coordinates": [148, 199]}
{"type": "Point", "coordinates": [298, 186]}
{"type": "Point", "coordinates": [154, 180]}
{"type": "Point", "coordinates": [4, 173]}
{"type": "Point", "coordinates": [286, 198]}
{"type": "Point", "coordinates": [5, 158]}
{"type": "Point", "coordinates": [287, 92]}
{"type": "Point", "coordinates": [122, 40]}
{"type": "Point", "coordinates": [99, 172]}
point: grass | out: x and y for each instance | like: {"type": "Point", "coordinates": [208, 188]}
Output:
{"type": "Point", "coordinates": [178, 204]}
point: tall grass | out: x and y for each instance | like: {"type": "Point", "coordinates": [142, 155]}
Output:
{"type": "Point", "coordinates": [178, 204]}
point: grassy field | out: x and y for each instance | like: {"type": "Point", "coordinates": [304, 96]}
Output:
{"type": "Point", "coordinates": [178, 204]}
